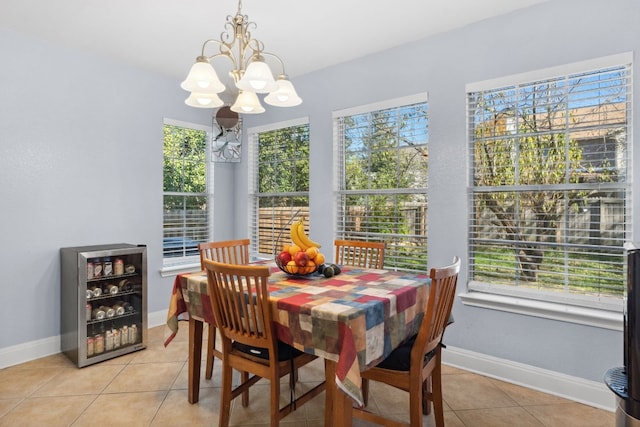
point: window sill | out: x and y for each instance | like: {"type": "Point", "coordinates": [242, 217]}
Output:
{"type": "Point", "coordinates": [548, 310]}
{"type": "Point", "coordinates": [174, 270]}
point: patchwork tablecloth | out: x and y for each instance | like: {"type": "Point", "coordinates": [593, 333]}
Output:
{"type": "Point", "coordinates": [355, 318]}
{"type": "Point", "coordinates": [189, 298]}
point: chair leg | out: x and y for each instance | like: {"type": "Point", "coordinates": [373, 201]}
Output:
{"type": "Point", "coordinates": [436, 379]}
{"type": "Point", "coordinates": [365, 391]}
{"type": "Point", "coordinates": [211, 345]}
{"type": "Point", "coordinates": [244, 376]}
{"type": "Point", "coordinates": [275, 400]}
{"type": "Point", "coordinates": [415, 403]}
{"type": "Point", "coordinates": [427, 396]}
{"type": "Point", "coordinates": [225, 396]}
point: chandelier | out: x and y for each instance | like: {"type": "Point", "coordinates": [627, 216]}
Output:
{"type": "Point", "coordinates": [251, 74]}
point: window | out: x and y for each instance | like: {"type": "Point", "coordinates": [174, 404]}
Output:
{"type": "Point", "coordinates": [381, 164]}
{"type": "Point", "coordinates": [279, 182]}
{"type": "Point", "coordinates": [550, 203]}
{"type": "Point", "coordinates": [186, 199]}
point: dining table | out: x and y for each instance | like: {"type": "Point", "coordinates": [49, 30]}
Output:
{"type": "Point", "coordinates": [352, 320]}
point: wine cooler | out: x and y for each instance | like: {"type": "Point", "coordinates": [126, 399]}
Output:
{"type": "Point", "coordinates": [103, 310]}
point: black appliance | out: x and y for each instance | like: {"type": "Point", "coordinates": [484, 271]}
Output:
{"type": "Point", "coordinates": [625, 381]}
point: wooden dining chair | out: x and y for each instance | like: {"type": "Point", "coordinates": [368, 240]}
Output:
{"type": "Point", "coordinates": [229, 252]}
{"type": "Point", "coordinates": [415, 366]}
{"type": "Point", "coordinates": [240, 300]}
{"type": "Point", "coordinates": [358, 253]}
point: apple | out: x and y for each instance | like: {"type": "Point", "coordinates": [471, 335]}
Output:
{"type": "Point", "coordinates": [284, 257]}
{"type": "Point", "coordinates": [301, 258]}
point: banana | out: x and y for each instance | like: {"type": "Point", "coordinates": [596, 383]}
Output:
{"type": "Point", "coordinates": [295, 235]}
{"type": "Point", "coordinates": [304, 239]}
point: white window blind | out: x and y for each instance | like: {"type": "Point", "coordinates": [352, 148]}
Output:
{"type": "Point", "coordinates": [550, 199]}
{"type": "Point", "coordinates": [186, 199]}
{"type": "Point", "coordinates": [381, 165]}
{"type": "Point", "coordinates": [279, 183]}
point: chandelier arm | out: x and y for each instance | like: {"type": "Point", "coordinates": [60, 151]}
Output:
{"type": "Point", "coordinates": [225, 50]}
{"type": "Point", "coordinates": [273, 55]}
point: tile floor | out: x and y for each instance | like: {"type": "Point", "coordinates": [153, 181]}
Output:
{"type": "Point", "coordinates": [149, 388]}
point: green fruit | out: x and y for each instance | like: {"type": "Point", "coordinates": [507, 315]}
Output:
{"type": "Point", "coordinates": [336, 269]}
{"type": "Point", "coordinates": [328, 271]}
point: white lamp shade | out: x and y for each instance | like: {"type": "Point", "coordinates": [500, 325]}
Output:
{"type": "Point", "coordinates": [203, 100]}
{"type": "Point", "coordinates": [202, 78]}
{"type": "Point", "coordinates": [257, 78]}
{"type": "Point", "coordinates": [247, 103]}
{"type": "Point", "coordinates": [284, 96]}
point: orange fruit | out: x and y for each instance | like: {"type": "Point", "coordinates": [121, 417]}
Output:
{"type": "Point", "coordinates": [292, 267]}
{"type": "Point", "coordinates": [311, 267]}
{"type": "Point", "coordinates": [294, 249]}
{"type": "Point", "coordinates": [319, 259]}
{"type": "Point", "coordinates": [286, 247]}
{"type": "Point", "coordinates": [312, 252]}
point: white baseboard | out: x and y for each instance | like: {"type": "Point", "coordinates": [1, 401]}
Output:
{"type": "Point", "coordinates": [21, 353]}
{"type": "Point", "coordinates": [590, 393]}
{"type": "Point", "coordinates": [32, 350]}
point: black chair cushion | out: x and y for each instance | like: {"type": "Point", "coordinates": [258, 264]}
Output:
{"type": "Point", "coordinates": [400, 358]}
{"type": "Point", "coordinates": [285, 351]}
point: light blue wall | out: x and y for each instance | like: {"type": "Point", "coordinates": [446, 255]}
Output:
{"type": "Point", "coordinates": [84, 167]}
{"type": "Point", "coordinates": [80, 164]}
{"type": "Point", "coordinates": [550, 34]}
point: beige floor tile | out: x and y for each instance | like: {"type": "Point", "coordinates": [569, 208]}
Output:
{"type": "Point", "coordinates": [385, 399]}
{"type": "Point", "coordinates": [450, 420]}
{"type": "Point", "coordinates": [126, 409]}
{"type": "Point", "coordinates": [571, 415]}
{"type": "Point", "coordinates": [55, 361]}
{"type": "Point", "coordinates": [157, 352]}
{"type": "Point", "coordinates": [47, 411]}
{"type": "Point", "coordinates": [312, 372]}
{"type": "Point", "coordinates": [125, 359]}
{"type": "Point", "coordinates": [470, 391]}
{"type": "Point", "coordinates": [394, 404]}
{"type": "Point", "coordinates": [18, 382]}
{"type": "Point", "coordinates": [148, 388]}
{"type": "Point", "coordinates": [89, 380]}
{"type": "Point", "coordinates": [7, 405]}
{"type": "Point", "coordinates": [176, 411]}
{"type": "Point", "coordinates": [145, 377]}
{"type": "Point", "coordinates": [315, 408]}
{"type": "Point", "coordinates": [158, 334]}
{"type": "Point", "coordinates": [283, 423]}
{"type": "Point", "coordinates": [451, 370]}
{"type": "Point", "coordinates": [182, 380]}
{"type": "Point", "coordinates": [526, 396]}
{"type": "Point", "coordinates": [498, 417]}
{"type": "Point", "coordinates": [259, 406]}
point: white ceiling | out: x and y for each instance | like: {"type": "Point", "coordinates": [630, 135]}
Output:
{"type": "Point", "coordinates": [167, 35]}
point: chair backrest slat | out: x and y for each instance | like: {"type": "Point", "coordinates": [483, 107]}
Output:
{"type": "Point", "coordinates": [441, 296]}
{"type": "Point", "coordinates": [361, 254]}
{"type": "Point", "coordinates": [225, 251]}
{"type": "Point", "coordinates": [240, 300]}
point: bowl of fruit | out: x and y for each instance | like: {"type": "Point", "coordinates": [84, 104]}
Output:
{"type": "Point", "coordinates": [301, 256]}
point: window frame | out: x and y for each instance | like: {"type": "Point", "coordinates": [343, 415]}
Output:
{"type": "Point", "coordinates": [602, 311]}
{"type": "Point", "coordinates": [183, 264]}
{"type": "Point", "coordinates": [253, 136]}
{"type": "Point", "coordinates": [392, 261]}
